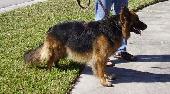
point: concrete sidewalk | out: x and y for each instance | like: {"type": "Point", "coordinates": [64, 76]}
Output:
{"type": "Point", "coordinates": [151, 73]}
{"type": "Point", "coordinates": [7, 5]}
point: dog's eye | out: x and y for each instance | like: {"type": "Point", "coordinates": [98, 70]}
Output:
{"type": "Point", "coordinates": [136, 20]}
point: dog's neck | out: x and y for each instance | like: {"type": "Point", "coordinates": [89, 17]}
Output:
{"type": "Point", "coordinates": [111, 27]}
{"type": "Point", "coordinates": [114, 20]}
{"type": "Point", "coordinates": [112, 23]}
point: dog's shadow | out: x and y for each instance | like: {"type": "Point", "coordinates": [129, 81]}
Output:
{"type": "Point", "coordinates": [153, 58]}
{"type": "Point", "coordinates": [67, 65]}
{"type": "Point", "coordinates": [130, 75]}
{"type": "Point", "coordinates": [147, 58]}
{"type": "Point", "coordinates": [125, 75]}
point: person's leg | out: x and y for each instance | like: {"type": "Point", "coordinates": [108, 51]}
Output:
{"type": "Point", "coordinates": [123, 46]}
{"type": "Point", "coordinates": [100, 14]}
{"type": "Point", "coordinates": [118, 4]}
{"type": "Point", "coordinates": [116, 8]}
{"type": "Point", "coordinates": [99, 11]}
{"type": "Point", "coordinates": [121, 52]}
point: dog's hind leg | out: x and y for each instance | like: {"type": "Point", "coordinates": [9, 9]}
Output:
{"type": "Point", "coordinates": [56, 51]}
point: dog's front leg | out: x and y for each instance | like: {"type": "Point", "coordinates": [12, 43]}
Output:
{"type": "Point", "coordinates": [100, 55]}
{"type": "Point", "coordinates": [100, 70]}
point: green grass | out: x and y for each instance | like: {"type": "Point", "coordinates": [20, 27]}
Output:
{"type": "Point", "coordinates": [25, 28]}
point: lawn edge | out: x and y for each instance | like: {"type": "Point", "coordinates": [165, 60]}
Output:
{"type": "Point", "coordinates": [140, 7]}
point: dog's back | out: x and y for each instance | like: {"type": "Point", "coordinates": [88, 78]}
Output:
{"type": "Point", "coordinates": [77, 36]}
{"type": "Point", "coordinates": [64, 30]}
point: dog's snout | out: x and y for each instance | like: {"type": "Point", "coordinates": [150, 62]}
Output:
{"type": "Point", "coordinates": [142, 25]}
{"type": "Point", "coordinates": [145, 26]}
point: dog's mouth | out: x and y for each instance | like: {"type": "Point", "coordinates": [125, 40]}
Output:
{"type": "Point", "coordinates": [136, 31]}
{"type": "Point", "coordinates": [138, 28]}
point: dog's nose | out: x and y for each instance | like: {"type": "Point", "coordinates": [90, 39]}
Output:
{"type": "Point", "coordinates": [143, 25]}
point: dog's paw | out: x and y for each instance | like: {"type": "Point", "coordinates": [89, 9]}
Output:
{"type": "Point", "coordinates": [106, 83]}
{"type": "Point", "coordinates": [110, 77]}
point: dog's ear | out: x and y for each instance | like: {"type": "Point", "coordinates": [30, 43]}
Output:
{"type": "Point", "coordinates": [125, 21]}
{"type": "Point", "coordinates": [125, 12]}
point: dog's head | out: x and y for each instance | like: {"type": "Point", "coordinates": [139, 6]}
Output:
{"type": "Point", "coordinates": [130, 22]}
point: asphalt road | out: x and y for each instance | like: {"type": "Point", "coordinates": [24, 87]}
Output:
{"type": "Point", "coordinates": [151, 73]}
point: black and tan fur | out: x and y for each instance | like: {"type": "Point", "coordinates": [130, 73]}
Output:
{"type": "Point", "coordinates": [91, 42]}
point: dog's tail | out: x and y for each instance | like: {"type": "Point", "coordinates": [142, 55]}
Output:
{"type": "Point", "coordinates": [39, 54]}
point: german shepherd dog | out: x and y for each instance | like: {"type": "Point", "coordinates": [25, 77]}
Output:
{"type": "Point", "coordinates": [89, 42]}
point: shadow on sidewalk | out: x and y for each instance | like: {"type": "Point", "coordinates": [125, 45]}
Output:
{"type": "Point", "coordinates": [153, 58]}
{"type": "Point", "coordinates": [147, 58]}
{"type": "Point", "coordinates": [130, 75]}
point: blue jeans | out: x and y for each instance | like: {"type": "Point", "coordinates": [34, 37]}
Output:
{"type": "Point", "coordinates": [115, 7]}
